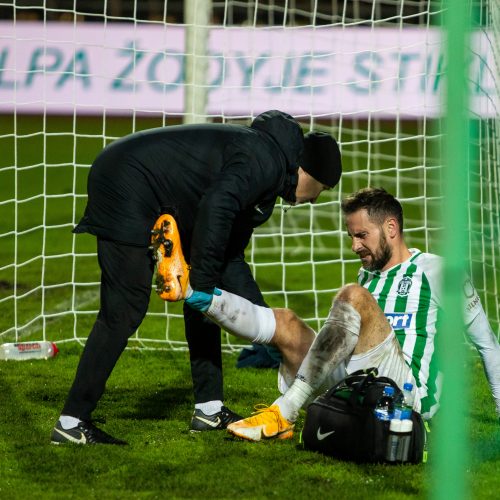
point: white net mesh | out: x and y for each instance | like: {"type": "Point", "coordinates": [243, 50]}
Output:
{"type": "Point", "coordinates": [75, 75]}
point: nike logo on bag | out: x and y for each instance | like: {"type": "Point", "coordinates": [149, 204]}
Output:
{"type": "Point", "coordinates": [211, 423]}
{"type": "Point", "coordinates": [71, 438]}
{"type": "Point", "coordinates": [258, 209]}
{"type": "Point", "coordinates": [322, 435]}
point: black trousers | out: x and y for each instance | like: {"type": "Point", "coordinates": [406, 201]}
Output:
{"type": "Point", "coordinates": [204, 336]}
{"type": "Point", "coordinates": [126, 276]}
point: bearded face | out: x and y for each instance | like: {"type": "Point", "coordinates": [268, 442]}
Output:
{"type": "Point", "coordinates": [369, 241]}
{"type": "Point", "coordinates": [376, 259]}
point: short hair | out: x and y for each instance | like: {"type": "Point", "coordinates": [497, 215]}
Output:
{"type": "Point", "coordinates": [378, 203]}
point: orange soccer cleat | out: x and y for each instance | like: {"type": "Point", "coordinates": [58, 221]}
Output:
{"type": "Point", "coordinates": [266, 423]}
{"type": "Point", "coordinates": [172, 272]}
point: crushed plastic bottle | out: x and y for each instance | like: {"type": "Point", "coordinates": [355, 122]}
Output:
{"type": "Point", "coordinates": [28, 350]}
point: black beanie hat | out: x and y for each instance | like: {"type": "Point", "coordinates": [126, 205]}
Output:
{"type": "Point", "coordinates": [321, 158]}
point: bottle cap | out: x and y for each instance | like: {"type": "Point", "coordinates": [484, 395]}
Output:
{"type": "Point", "coordinates": [408, 386]}
{"type": "Point", "coordinates": [406, 425]}
{"type": "Point", "coordinates": [55, 349]}
{"type": "Point", "coordinates": [395, 425]}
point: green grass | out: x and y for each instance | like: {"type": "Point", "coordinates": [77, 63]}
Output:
{"type": "Point", "coordinates": [148, 402]}
{"type": "Point", "coordinates": [149, 398]}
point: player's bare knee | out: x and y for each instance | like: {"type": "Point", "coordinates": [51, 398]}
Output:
{"type": "Point", "coordinates": [354, 294]}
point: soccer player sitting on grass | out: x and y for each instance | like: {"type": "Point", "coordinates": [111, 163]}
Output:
{"type": "Point", "coordinates": [388, 320]}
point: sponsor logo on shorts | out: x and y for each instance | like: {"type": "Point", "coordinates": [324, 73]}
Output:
{"type": "Point", "coordinates": [399, 320]}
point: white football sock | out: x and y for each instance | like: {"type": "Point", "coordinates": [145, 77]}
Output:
{"type": "Point", "coordinates": [241, 318]}
{"type": "Point", "coordinates": [293, 399]}
{"type": "Point", "coordinates": [68, 422]}
{"type": "Point", "coordinates": [209, 407]}
{"type": "Point", "coordinates": [334, 343]}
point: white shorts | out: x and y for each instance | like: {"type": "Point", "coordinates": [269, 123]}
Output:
{"type": "Point", "coordinates": [386, 356]}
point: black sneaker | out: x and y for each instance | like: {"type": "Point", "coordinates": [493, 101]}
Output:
{"type": "Point", "coordinates": [83, 433]}
{"type": "Point", "coordinates": [215, 422]}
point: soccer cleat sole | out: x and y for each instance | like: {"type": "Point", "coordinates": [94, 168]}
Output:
{"type": "Point", "coordinates": [172, 271]}
{"type": "Point", "coordinates": [258, 435]}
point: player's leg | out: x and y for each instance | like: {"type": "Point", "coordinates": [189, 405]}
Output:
{"type": "Point", "coordinates": [280, 328]}
{"type": "Point", "coordinates": [276, 329]}
{"type": "Point", "coordinates": [355, 322]}
{"type": "Point", "coordinates": [126, 274]}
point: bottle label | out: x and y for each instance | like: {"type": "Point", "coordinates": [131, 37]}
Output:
{"type": "Point", "coordinates": [406, 414]}
{"type": "Point", "coordinates": [28, 347]}
{"type": "Point", "coordinates": [402, 413]}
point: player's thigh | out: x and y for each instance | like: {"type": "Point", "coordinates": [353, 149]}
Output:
{"type": "Point", "coordinates": [389, 360]}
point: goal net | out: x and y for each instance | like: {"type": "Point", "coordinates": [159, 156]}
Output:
{"type": "Point", "coordinates": [73, 79]}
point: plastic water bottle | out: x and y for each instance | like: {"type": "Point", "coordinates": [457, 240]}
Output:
{"type": "Point", "coordinates": [404, 407]}
{"type": "Point", "coordinates": [384, 409]}
{"type": "Point", "coordinates": [28, 350]}
{"type": "Point", "coordinates": [398, 442]}
{"type": "Point", "coordinates": [404, 440]}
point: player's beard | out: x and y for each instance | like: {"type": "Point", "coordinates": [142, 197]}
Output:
{"type": "Point", "coordinates": [380, 257]}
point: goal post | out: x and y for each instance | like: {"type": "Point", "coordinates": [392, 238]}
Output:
{"type": "Point", "coordinates": [73, 79]}
{"type": "Point", "coordinates": [197, 20]}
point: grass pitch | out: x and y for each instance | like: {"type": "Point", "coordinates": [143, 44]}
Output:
{"type": "Point", "coordinates": [148, 402]}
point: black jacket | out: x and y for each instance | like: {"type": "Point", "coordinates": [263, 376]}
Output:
{"type": "Point", "coordinates": [219, 181]}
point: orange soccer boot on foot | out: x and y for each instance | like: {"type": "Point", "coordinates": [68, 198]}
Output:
{"type": "Point", "coordinates": [172, 272]}
{"type": "Point", "coordinates": [266, 423]}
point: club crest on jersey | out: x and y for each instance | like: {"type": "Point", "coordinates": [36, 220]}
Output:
{"type": "Point", "coordinates": [404, 286]}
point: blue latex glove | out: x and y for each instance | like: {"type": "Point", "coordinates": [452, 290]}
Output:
{"type": "Point", "coordinates": [201, 300]}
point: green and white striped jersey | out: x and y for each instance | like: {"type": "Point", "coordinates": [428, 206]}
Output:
{"type": "Point", "coordinates": [410, 296]}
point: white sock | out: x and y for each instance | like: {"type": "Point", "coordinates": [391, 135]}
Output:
{"type": "Point", "coordinates": [293, 399]}
{"type": "Point", "coordinates": [209, 407]}
{"type": "Point", "coordinates": [241, 318]}
{"type": "Point", "coordinates": [68, 422]}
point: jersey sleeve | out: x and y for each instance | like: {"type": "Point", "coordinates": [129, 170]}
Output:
{"type": "Point", "coordinates": [433, 265]}
{"type": "Point", "coordinates": [472, 302]}
{"type": "Point", "coordinates": [481, 335]}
